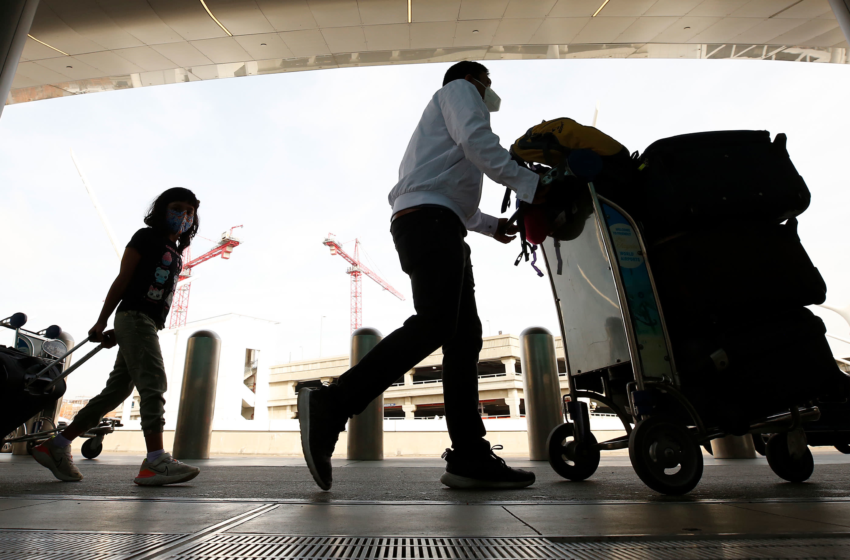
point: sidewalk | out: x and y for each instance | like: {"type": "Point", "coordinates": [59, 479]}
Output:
{"type": "Point", "coordinates": [269, 508]}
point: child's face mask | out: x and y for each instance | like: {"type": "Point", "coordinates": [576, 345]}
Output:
{"type": "Point", "coordinates": [178, 222]}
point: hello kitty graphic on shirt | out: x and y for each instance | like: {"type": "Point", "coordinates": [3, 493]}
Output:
{"type": "Point", "coordinates": [152, 287]}
{"type": "Point", "coordinates": [156, 291]}
{"type": "Point", "coordinates": [155, 294]}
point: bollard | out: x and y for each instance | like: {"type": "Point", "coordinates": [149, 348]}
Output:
{"type": "Point", "coordinates": [541, 387]}
{"type": "Point", "coordinates": [197, 397]}
{"type": "Point", "coordinates": [734, 447]}
{"type": "Point", "coordinates": [366, 430]}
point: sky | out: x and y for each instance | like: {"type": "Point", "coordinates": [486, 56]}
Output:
{"type": "Point", "coordinates": [292, 157]}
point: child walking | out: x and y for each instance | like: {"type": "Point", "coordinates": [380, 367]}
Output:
{"type": "Point", "coordinates": [142, 293]}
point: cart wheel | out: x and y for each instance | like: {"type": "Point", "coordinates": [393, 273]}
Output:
{"type": "Point", "coordinates": [843, 447]}
{"type": "Point", "coordinates": [7, 446]}
{"type": "Point", "coordinates": [569, 458]}
{"type": "Point", "coordinates": [785, 465]}
{"type": "Point", "coordinates": [760, 443]}
{"type": "Point", "coordinates": [92, 448]}
{"type": "Point", "coordinates": [665, 456]}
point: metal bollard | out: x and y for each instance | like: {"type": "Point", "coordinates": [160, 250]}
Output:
{"type": "Point", "coordinates": [541, 387]}
{"type": "Point", "coordinates": [734, 447]}
{"type": "Point", "coordinates": [366, 430]}
{"type": "Point", "coordinates": [197, 397]}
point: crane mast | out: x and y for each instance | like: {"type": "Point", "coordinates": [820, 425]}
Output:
{"type": "Point", "coordinates": [180, 305]}
{"type": "Point", "coordinates": [356, 271]}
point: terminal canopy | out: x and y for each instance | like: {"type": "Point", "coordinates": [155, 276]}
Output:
{"type": "Point", "coordinates": [85, 46]}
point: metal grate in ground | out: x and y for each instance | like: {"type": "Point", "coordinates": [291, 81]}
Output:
{"type": "Point", "coordinates": [278, 547]}
{"type": "Point", "coordinates": [55, 545]}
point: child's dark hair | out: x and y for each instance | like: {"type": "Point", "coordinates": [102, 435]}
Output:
{"type": "Point", "coordinates": [156, 216]}
{"type": "Point", "coordinates": [460, 70]}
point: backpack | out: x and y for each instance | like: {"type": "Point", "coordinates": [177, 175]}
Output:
{"type": "Point", "coordinates": [566, 154]}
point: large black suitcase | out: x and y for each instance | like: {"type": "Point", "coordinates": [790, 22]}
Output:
{"type": "Point", "coordinates": [737, 270]}
{"type": "Point", "coordinates": [17, 402]}
{"type": "Point", "coordinates": [740, 373]}
{"type": "Point", "coordinates": [695, 180]}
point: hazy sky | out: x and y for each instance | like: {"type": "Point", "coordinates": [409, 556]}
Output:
{"type": "Point", "coordinates": [295, 156]}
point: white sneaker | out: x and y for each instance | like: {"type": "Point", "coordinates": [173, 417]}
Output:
{"type": "Point", "coordinates": [59, 460]}
{"type": "Point", "coordinates": [165, 469]}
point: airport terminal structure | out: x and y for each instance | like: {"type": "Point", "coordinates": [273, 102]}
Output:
{"type": "Point", "coordinates": [255, 497]}
{"type": "Point", "coordinates": [71, 48]}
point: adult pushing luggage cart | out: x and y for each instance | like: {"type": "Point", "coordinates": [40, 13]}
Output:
{"type": "Point", "coordinates": [32, 380]}
{"type": "Point", "coordinates": [657, 333]}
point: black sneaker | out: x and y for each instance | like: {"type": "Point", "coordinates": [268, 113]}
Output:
{"type": "Point", "coordinates": [482, 470]}
{"type": "Point", "coordinates": [320, 429]}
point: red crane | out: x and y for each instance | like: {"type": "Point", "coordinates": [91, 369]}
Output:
{"type": "Point", "coordinates": [356, 271]}
{"type": "Point", "coordinates": [180, 305]}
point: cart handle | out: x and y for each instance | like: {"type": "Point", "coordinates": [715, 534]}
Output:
{"type": "Point", "coordinates": [68, 371]}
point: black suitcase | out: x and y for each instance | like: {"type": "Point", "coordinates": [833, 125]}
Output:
{"type": "Point", "coordinates": [737, 270]}
{"type": "Point", "coordinates": [695, 180]}
{"type": "Point", "coordinates": [740, 373]}
{"type": "Point", "coordinates": [17, 402]}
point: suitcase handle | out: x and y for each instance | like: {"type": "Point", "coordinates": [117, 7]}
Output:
{"type": "Point", "coordinates": [68, 371]}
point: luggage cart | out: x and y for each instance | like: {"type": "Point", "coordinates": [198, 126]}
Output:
{"type": "Point", "coordinates": [45, 344]}
{"type": "Point", "coordinates": [831, 430]}
{"type": "Point", "coordinates": [618, 353]}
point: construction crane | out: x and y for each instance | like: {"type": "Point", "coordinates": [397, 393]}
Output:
{"type": "Point", "coordinates": [180, 305]}
{"type": "Point", "coordinates": [356, 271]}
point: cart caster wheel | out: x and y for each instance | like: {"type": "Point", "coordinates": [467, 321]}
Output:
{"type": "Point", "coordinates": [92, 448]}
{"type": "Point", "coordinates": [843, 447]}
{"type": "Point", "coordinates": [569, 458]}
{"type": "Point", "coordinates": [760, 443]}
{"type": "Point", "coordinates": [665, 456]}
{"type": "Point", "coordinates": [784, 464]}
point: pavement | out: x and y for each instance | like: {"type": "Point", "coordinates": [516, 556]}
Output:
{"type": "Point", "coordinates": [269, 508]}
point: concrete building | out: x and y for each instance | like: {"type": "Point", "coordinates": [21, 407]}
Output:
{"type": "Point", "coordinates": [418, 394]}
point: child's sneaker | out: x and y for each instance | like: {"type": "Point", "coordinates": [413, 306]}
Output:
{"type": "Point", "coordinates": [59, 460]}
{"type": "Point", "coordinates": [165, 469]}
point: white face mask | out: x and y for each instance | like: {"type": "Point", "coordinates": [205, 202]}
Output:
{"type": "Point", "coordinates": [491, 100]}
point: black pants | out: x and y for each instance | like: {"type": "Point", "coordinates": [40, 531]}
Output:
{"type": "Point", "coordinates": [431, 248]}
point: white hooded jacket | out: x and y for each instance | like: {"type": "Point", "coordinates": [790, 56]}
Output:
{"type": "Point", "coordinates": [450, 151]}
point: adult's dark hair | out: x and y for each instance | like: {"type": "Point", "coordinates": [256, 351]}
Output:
{"type": "Point", "coordinates": [156, 216]}
{"type": "Point", "coordinates": [460, 70]}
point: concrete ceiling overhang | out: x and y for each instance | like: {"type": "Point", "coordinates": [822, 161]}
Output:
{"type": "Point", "coordinates": [85, 46]}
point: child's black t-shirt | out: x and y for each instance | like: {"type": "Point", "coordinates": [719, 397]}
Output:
{"type": "Point", "coordinates": [152, 286]}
